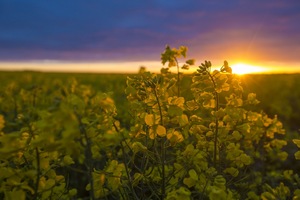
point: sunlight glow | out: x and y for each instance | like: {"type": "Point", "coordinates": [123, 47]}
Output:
{"type": "Point", "coordinates": [81, 67]}
{"type": "Point", "coordinates": [242, 68]}
{"type": "Point", "coordinates": [133, 67]}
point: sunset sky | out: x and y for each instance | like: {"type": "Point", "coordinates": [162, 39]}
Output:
{"type": "Point", "coordinates": [121, 36]}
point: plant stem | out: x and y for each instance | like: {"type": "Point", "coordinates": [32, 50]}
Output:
{"type": "Point", "coordinates": [37, 153]}
{"type": "Point", "coordinates": [216, 121]}
{"type": "Point", "coordinates": [178, 78]}
{"type": "Point", "coordinates": [125, 163]}
{"type": "Point", "coordinates": [162, 149]}
{"type": "Point", "coordinates": [38, 161]}
{"type": "Point", "coordinates": [127, 173]}
{"type": "Point", "coordinates": [88, 155]}
{"type": "Point", "coordinates": [217, 130]}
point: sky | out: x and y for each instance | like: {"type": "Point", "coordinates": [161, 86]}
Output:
{"type": "Point", "coordinates": [121, 36]}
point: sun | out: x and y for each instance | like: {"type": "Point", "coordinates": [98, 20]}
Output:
{"type": "Point", "coordinates": [242, 68]}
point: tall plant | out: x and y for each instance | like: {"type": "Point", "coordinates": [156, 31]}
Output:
{"type": "Point", "coordinates": [207, 145]}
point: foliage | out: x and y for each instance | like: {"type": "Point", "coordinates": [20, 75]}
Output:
{"type": "Point", "coordinates": [283, 89]}
{"type": "Point", "coordinates": [65, 141]}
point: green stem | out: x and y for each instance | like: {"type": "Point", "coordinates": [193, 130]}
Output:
{"type": "Point", "coordinates": [88, 155]}
{"type": "Point", "coordinates": [159, 107]}
{"type": "Point", "coordinates": [89, 163]}
{"type": "Point", "coordinates": [38, 167]}
{"type": "Point", "coordinates": [126, 166]}
{"type": "Point", "coordinates": [216, 132]}
{"type": "Point", "coordinates": [178, 79]}
{"type": "Point", "coordinates": [163, 155]}
{"type": "Point", "coordinates": [162, 149]}
{"type": "Point", "coordinates": [128, 174]}
{"type": "Point", "coordinates": [36, 188]}
{"type": "Point", "coordinates": [216, 121]}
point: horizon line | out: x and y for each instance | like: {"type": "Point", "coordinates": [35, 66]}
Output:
{"type": "Point", "coordinates": [131, 67]}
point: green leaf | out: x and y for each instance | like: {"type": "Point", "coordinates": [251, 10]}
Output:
{"type": "Point", "coordinates": [198, 129]}
{"type": "Point", "coordinates": [15, 194]}
{"type": "Point", "coordinates": [193, 174]}
{"type": "Point", "coordinates": [116, 169]}
{"type": "Point", "coordinates": [49, 184]}
{"type": "Point", "coordinates": [244, 128]}
{"type": "Point", "coordinates": [14, 180]}
{"type": "Point", "coordinates": [217, 194]}
{"type": "Point", "coordinates": [189, 182]}
{"type": "Point", "coordinates": [208, 100]}
{"type": "Point", "coordinates": [209, 134]}
{"type": "Point", "coordinates": [253, 196]}
{"type": "Point", "coordinates": [114, 183]}
{"type": "Point", "coordinates": [282, 155]}
{"type": "Point", "coordinates": [137, 147]}
{"type": "Point", "coordinates": [234, 101]}
{"type": "Point", "coordinates": [88, 187]}
{"type": "Point", "coordinates": [183, 50]}
{"type": "Point", "coordinates": [174, 111]}
{"type": "Point", "coordinates": [169, 55]}
{"type": "Point", "coordinates": [68, 160]}
{"type": "Point", "coordinates": [267, 196]}
{"type": "Point", "coordinates": [76, 101]}
{"type": "Point", "coordinates": [85, 120]}
{"type": "Point", "coordinates": [190, 62]}
{"type": "Point", "coordinates": [297, 142]}
{"type": "Point", "coordinates": [137, 178]}
{"type": "Point", "coordinates": [232, 171]}
{"type": "Point", "coordinates": [246, 160]}
{"type": "Point", "coordinates": [236, 135]}
{"type": "Point", "coordinates": [44, 163]}
{"type": "Point", "coordinates": [251, 99]}
{"type": "Point", "coordinates": [6, 172]}
{"type": "Point", "coordinates": [177, 101]}
{"type": "Point", "coordinates": [296, 194]}
{"type": "Point", "coordinates": [195, 118]}
{"type": "Point", "coordinates": [28, 188]}
{"type": "Point", "coordinates": [183, 120]}
{"type": "Point", "coordinates": [189, 151]}
{"type": "Point", "coordinates": [72, 192]}
{"type": "Point", "coordinates": [179, 194]}
{"type": "Point", "coordinates": [192, 105]}
{"type": "Point", "coordinates": [297, 155]}
{"type": "Point", "coordinates": [278, 143]}
{"type": "Point", "coordinates": [172, 82]}
{"type": "Point", "coordinates": [185, 66]}
{"type": "Point", "coordinates": [220, 181]}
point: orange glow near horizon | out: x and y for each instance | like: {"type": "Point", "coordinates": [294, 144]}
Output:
{"type": "Point", "coordinates": [243, 68]}
{"type": "Point", "coordinates": [133, 67]}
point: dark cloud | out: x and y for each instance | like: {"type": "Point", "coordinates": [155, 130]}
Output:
{"type": "Point", "coordinates": [138, 30]}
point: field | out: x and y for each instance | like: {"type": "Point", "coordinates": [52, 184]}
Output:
{"type": "Point", "coordinates": [103, 136]}
{"type": "Point", "coordinates": [278, 93]}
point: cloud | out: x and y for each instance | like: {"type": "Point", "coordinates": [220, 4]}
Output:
{"type": "Point", "coordinates": [139, 30]}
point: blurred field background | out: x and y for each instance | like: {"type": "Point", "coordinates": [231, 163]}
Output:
{"type": "Point", "coordinates": [279, 94]}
